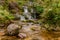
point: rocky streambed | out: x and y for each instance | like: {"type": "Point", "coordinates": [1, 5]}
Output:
{"type": "Point", "coordinates": [27, 31]}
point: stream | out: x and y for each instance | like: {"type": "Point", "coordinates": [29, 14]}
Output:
{"type": "Point", "coordinates": [31, 34]}
{"type": "Point", "coordinates": [28, 30]}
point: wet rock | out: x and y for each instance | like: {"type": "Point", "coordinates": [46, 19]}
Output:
{"type": "Point", "coordinates": [13, 29]}
{"type": "Point", "coordinates": [30, 29]}
{"type": "Point", "coordinates": [22, 35]}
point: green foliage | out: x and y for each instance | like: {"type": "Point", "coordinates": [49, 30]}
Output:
{"type": "Point", "coordinates": [50, 14]}
{"type": "Point", "coordinates": [50, 10]}
{"type": "Point", "coordinates": [50, 17]}
{"type": "Point", "coordinates": [39, 9]}
{"type": "Point", "coordinates": [5, 15]}
{"type": "Point", "coordinates": [21, 2]}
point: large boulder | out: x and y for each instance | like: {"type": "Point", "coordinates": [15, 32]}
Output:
{"type": "Point", "coordinates": [13, 29]}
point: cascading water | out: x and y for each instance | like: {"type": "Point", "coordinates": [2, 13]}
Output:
{"type": "Point", "coordinates": [22, 18]}
{"type": "Point", "coordinates": [33, 13]}
{"type": "Point", "coordinates": [32, 9]}
{"type": "Point", "coordinates": [27, 14]}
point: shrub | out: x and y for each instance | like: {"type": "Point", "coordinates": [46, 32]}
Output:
{"type": "Point", "coordinates": [5, 15]}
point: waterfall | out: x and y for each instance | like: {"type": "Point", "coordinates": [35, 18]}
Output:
{"type": "Point", "coordinates": [26, 13]}
{"type": "Point", "coordinates": [25, 9]}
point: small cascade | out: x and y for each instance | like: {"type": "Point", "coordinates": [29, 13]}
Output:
{"type": "Point", "coordinates": [27, 14]}
{"type": "Point", "coordinates": [33, 13]}
{"type": "Point", "coordinates": [25, 9]}
{"type": "Point", "coordinates": [30, 2]}
{"type": "Point", "coordinates": [22, 18]}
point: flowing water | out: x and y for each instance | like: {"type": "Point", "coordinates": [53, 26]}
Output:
{"type": "Point", "coordinates": [29, 15]}
{"type": "Point", "coordinates": [26, 13]}
{"type": "Point", "coordinates": [32, 30]}
{"type": "Point", "coordinates": [37, 34]}
{"type": "Point", "coordinates": [22, 18]}
{"type": "Point", "coordinates": [33, 13]}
